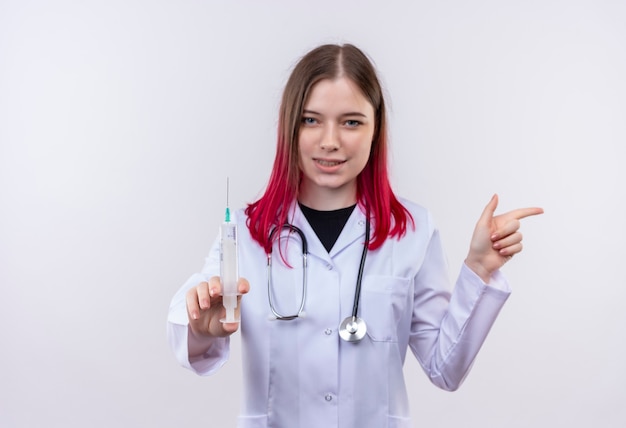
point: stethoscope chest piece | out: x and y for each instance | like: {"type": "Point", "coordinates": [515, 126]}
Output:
{"type": "Point", "coordinates": [352, 329]}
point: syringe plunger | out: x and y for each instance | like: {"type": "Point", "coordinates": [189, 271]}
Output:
{"type": "Point", "coordinates": [230, 303]}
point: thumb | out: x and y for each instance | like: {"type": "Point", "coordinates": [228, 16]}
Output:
{"type": "Point", "coordinates": [489, 210]}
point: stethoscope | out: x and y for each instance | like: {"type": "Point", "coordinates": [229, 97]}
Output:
{"type": "Point", "coordinates": [351, 329]}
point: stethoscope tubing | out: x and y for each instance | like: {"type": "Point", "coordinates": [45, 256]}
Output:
{"type": "Point", "coordinates": [352, 329]}
{"type": "Point", "coordinates": [305, 253]}
{"type": "Point", "coordinates": [359, 279]}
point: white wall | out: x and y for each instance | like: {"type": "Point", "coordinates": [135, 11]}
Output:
{"type": "Point", "coordinates": [119, 121]}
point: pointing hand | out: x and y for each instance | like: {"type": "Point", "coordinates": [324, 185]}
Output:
{"type": "Point", "coordinates": [496, 238]}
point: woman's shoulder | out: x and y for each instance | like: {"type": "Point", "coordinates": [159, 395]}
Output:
{"type": "Point", "coordinates": [420, 214]}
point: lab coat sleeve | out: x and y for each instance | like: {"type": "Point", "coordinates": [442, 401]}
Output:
{"type": "Point", "coordinates": [178, 325]}
{"type": "Point", "coordinates": [447, 337]}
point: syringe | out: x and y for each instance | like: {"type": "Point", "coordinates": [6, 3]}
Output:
{"type": "Point", "coordinates": [229, 264]}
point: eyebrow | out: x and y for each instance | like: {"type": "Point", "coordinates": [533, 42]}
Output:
{"type": "Point", "coordinates": [352, 113]}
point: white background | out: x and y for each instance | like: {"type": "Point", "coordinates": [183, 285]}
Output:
{"type": "Point", "coordinates": [120, 120]}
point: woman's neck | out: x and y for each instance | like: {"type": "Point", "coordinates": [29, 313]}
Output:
{"type": "Point", "coordinates": [327, 199]}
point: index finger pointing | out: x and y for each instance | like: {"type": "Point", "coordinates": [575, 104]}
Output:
{"type": "Point", "coordinates": [521, 213]}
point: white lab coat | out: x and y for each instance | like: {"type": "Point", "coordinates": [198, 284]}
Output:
{"type": "Point", "coordinates": [299, 373]}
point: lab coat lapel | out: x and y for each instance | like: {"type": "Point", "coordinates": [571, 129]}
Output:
{"type": "Point", "coordinates": [353, 230]}
{"type": "Point", "coordinates": [316, 248]}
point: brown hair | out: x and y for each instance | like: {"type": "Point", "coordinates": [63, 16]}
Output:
{"type": "Point", "coordinates": [373, 188]}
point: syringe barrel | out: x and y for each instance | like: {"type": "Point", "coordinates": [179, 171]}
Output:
{"type": "Point", "coordinates": [229, 273]}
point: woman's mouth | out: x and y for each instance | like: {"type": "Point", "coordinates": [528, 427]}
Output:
{"type": "Point", "coordinates": [328, 163]}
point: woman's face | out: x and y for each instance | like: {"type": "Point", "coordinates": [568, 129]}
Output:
{"type": "Point", "coordinates": [334, 141]}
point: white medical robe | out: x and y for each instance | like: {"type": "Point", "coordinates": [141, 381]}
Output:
{"type": "Point", "coordinates": [299, 373]}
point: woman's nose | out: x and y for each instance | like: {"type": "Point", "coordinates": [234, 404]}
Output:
{"type": "Point", "coordinates": [330, 138]}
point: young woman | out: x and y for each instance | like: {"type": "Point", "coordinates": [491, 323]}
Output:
{"type": "Point", "coordinates": [324, 344]}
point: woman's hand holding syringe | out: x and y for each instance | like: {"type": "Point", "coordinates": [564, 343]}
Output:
{"type": "Point", "coordinates": [205, 308]}
{"type": "Point", "coordinates": [213, 306]}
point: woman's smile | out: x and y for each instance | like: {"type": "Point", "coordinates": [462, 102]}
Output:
{"type": "Point", "coordinates": [329, 163]}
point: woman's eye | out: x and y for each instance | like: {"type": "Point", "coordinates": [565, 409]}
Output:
{"type": "Point", "coordinates": [352, 123]}
{"type": "Point", "coordinates": [309, 121]}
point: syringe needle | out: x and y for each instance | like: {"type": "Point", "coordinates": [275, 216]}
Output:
{"type": "Point", "coordinates": [227, 219]}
